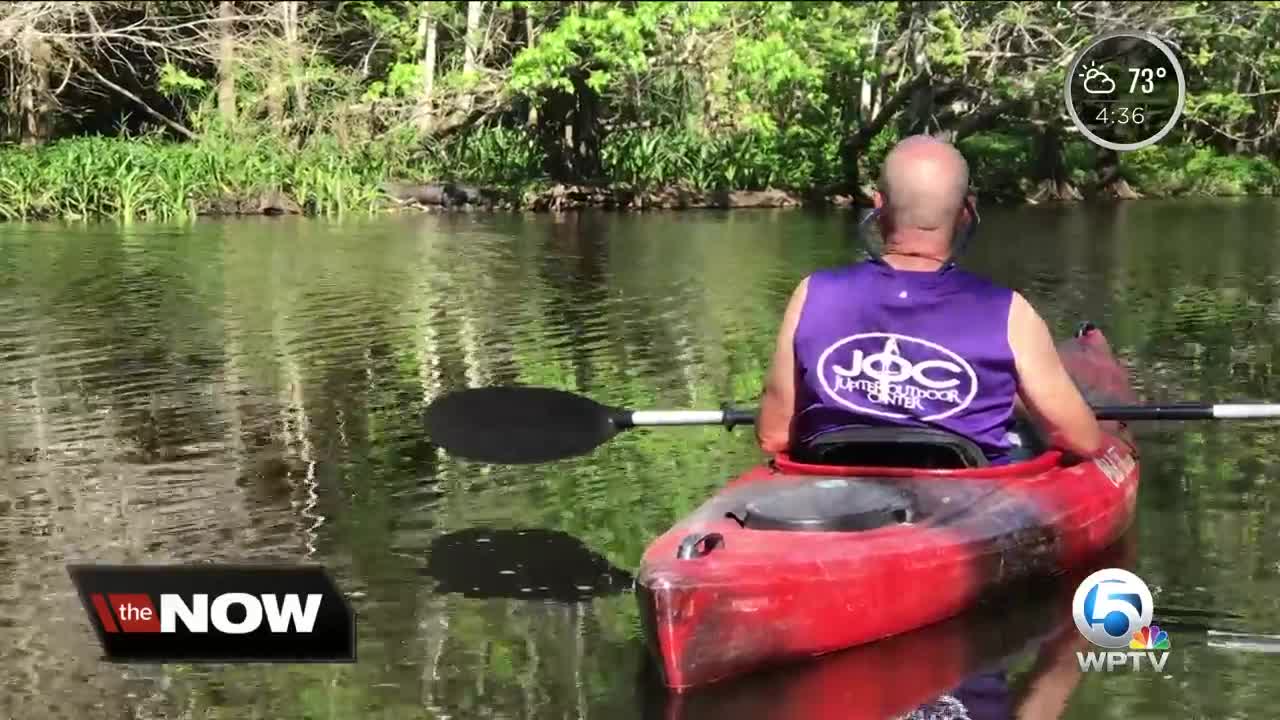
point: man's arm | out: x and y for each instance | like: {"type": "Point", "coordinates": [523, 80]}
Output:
{"type": "Point", "coordinates": [773, 426]}
{"type": "Point", "coordinates": [1045, 387]}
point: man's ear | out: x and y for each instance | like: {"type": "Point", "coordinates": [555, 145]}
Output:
{"type": "Point", "coordinates": [970, 210]}
{"type": "Point", "coordinates": [877, 199]}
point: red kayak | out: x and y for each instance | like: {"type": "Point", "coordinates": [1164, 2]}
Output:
{"type": "Point", "coordinates": [895, 531]}
{"type": "Point", "coordinates": [965, 658]}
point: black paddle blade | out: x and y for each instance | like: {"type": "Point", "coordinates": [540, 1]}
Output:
{"type": "Point", "coordinates": [513, 425]}
{"type": "Point", "coordinates": [528, 564]}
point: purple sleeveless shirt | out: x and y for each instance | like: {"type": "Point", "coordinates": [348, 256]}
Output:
{"type": "Point", "coordinates": [885, 347]}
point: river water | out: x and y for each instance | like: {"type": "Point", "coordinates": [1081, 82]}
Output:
{"type": "Point", "coordinates": [251, 391]}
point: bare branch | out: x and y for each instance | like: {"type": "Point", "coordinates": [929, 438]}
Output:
{"type": "Point", "coordinates": [140, 103]}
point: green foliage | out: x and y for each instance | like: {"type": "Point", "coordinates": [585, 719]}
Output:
{"type": "Point", "coordinates": [946, 42]}
{"type": "Point", "coordinates": [174, 81]}
{"type": "Point", "coordinates": [796, 158]}
{"type": "Point", "coordinates": [878, 149]}
{"type": "Point", "coordinates": [1199, 170]}
{"type": "Point", "coordinates": [506, 157]}
{"type": "Point", "coordinates": [997, 163]}
{"type": "Point", "coordinates": [597, 40]}
{"type": "Point", "coordinates": [712, 96]}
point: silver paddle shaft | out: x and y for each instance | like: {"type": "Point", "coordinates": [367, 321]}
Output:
{"type": "Point", "coordinates": [1245, 411]}
{"type": "Point", "coordinates": [643, 418]}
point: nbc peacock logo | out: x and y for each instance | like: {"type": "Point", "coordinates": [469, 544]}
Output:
{"type": "Point", "coordinates": [1112, 609]}
{"type": "Point", "coordinates": [1150, 638]}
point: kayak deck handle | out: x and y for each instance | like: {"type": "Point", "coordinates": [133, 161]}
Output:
{"type": "Point", "coordinates": [698, 545]}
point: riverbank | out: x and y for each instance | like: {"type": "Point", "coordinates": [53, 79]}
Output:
{"type": "Point", "coordinates": [146, 178]}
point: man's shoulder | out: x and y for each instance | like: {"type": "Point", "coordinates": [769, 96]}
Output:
{"type": "Point", "coordinates": [977, 277]}
{"type": "Point", "coordinates": [841, 272]}
{"type": "Point", "coordinates": [826, 285]}
{"type": "Point", "coordinates": [972, 282]}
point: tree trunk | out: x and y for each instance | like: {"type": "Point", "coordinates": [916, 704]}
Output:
{"type": "Point", "coordinates": [472, 46]}
{"type": "Point", "coordinates": [555, 135]}
{"type": "Point", "coordinates": [424, 116]}
{"type": "Point", "coordinates": [226, 62]}
{"type": "Point", "coordinates": [275, 97]}
{"type": "Point", "coordinates": [532, 118]}
{"type": "Point", "coordinates": [1110, 181]}
{"type": "Point", "coordinates": [293, 53]}
{"type": "Point", "coordinates": [854, 145]}
{"type": "Point", "coordinates": [1050, 169]}
{"type": "Point", "coordinates": [33, 90]}
{"type": "Point", "coordinates": [569, 133]}
{"type": "Point", "coordinates": [919, 118]}
{"type": "Point", "coordinates": [277, 86]}
{"type": "Point", "coordinates": [586, 135]}
{"type": "Point", "coordinates": [1273, 138]}
{"type": "Point", "coordinates": [865, 111]}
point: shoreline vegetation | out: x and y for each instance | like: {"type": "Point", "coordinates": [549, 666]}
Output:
{"type": "Point", "coordinates": [170, 111]}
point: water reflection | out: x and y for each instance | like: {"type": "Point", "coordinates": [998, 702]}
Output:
{"type": "Point", "coordinates": [253, 390]}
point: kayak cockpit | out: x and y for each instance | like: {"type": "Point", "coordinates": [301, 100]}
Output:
{"type": "Point", "coordinates": [923, 448]}
{"type": "Point", "coordinates": [835, 504]}
{"type": "Point", "coordinates": [917, 448]}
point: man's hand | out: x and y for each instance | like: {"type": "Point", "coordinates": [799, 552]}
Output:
{"type": "Point", "coordinates": [777, 404]}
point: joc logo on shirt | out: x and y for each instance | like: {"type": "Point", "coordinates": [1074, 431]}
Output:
{"type": "Point", "coordinates": [897, 376]}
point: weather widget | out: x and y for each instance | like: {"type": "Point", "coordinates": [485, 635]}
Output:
{"type": "Point", "coordinates": [1125, 90]}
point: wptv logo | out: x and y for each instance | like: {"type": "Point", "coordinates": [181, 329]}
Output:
{"type": "Point", "coordinates": [216, 613]}
{"type": "Point", "coordinates": [1112, 609]}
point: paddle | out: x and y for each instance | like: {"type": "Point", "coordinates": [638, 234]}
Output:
{"type": "Point", "coordinates": [517, 424]}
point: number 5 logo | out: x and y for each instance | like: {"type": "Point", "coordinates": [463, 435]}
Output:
{"type": "Point", "coordinates": [1110, 605]}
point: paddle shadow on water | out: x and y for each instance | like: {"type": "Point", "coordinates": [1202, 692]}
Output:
{"type": "Point", "coordinates": [524, 564]}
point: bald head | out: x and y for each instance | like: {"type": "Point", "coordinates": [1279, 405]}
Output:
{"type": "Point", "coordinates": [924, 182]}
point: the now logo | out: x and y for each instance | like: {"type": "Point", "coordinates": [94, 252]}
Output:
{"type": "Point", "coordinates": [217, 613]}
{"type": "Point", "coordinates": [134, 612]}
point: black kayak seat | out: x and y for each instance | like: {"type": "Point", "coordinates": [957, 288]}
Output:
{"type": "Point", "coordinates": [828, 504]}
{"type": "Point", "coordinates": [851, 504]}
{"type": "Point", "coordinates": [923, 448]}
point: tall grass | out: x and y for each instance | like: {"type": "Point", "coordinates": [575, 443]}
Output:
{"type": "Point", "coordinates": [148, 178]}
{"type": "Point", "coordinates": [800, 158]}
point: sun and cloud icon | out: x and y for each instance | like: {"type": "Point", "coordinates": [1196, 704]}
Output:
{"type": "Point", "coordinates": [1097, 81]}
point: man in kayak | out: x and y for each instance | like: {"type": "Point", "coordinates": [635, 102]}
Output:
{"type": "Point", "coordinates": [910, 340]}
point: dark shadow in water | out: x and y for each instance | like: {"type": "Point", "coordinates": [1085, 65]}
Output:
{"type": "Point", "coordinates": [529, 564]}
